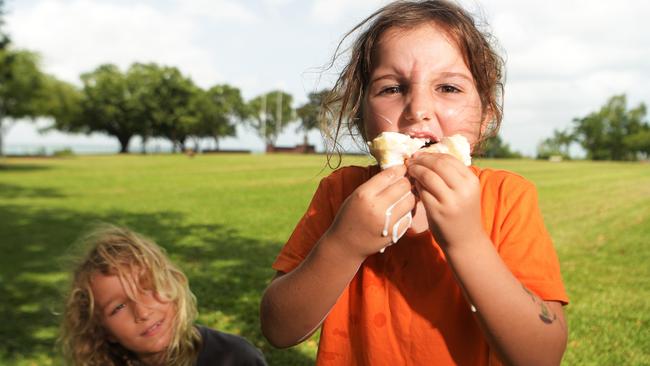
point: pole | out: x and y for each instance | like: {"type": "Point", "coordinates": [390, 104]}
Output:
{"type": "Point", "coordinates": [278, 111]}
{"type": "Point", "coordinates": [263, 120]}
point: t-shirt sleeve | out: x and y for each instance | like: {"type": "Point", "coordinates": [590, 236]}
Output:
{"type": "Point", "coordinates": [219, 348]}
{"type": "Point", "coordinates": [525, 245]}
{"type": "Point", "coordinates": [313, 224]}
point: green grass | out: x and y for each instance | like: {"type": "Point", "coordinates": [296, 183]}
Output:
{"type": "Point", "coordinates": [223, 219]}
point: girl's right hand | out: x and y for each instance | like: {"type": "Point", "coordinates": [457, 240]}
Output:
{"type": "Point", "coordinates": [357, 227]}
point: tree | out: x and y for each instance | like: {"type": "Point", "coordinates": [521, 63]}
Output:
{"type": "Point", "coordinates": [603, 133]}
{"type": "Point", "coordinates": [217, 110]}
{"type": "Point", "coordinates": [141, 80]}
{"type": "Point", "coordinates": [271, 113]}
{"type": "Point", "coordinates": [639, 142]}
{"type": "Point", "coordinates": [63, 102]}
{"type": "Point", "coordinates": [559, 144]}
{"type": "Point", "coordinates": [4, 37]}
{"type": "Point", "coordinates": [21, 86]}
{"type": "Point", "coordinates": [494, 147]}
{"type": "Point", "coordinates": [309, 113]}
{"type": "Point", "coordinates": [107, 106]}
{"type": "Point", "coordinates": [169, 97]}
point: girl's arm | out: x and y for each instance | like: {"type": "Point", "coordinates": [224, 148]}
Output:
{"type": "Point", "coordinates": [521, 327]}
{"type": "Point", "coordinates": [296, 303]}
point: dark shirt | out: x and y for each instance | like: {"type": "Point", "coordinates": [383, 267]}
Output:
{"type": "Point", "coordinates": [225, 349]}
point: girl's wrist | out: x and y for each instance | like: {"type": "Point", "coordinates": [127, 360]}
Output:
{"type": "Point", "coordinates": [335, 249]}
{"type": "Point", "coordinates": [465, 246]}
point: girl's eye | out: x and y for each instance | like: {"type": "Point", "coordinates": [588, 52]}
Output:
{"type": "Point", "coordinates": [448, 89]}
{"type": "Point", "coordinates": [117, 309]}
{"type": "Point", "coordinates": [395, 89]}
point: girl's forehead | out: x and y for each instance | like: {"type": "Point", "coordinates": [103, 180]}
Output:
{"type": "Point", "coordinates": [424, 47]}
{"type": "Point", "coordinates": [426, 32]}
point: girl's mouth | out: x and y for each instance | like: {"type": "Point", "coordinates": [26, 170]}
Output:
{"type": "Point", "coordinates": [153, 329]}
{"type": "Point", "coordinates": [428, 143]}
{"type": "Point", "coordinates": [428, 137]}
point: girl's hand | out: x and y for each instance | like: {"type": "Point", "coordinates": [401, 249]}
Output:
{"type": "Point", "coordinates": [451, 196]}
{"type": "Point", "coordinates": [360, 221]}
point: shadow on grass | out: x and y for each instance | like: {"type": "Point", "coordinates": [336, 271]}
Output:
{"type": "Point", "coordinates": [227, 272]}
{"type": "Point", "coordinates": [22, 167]}
{"type": "Point", "coordinates": [8, 191]}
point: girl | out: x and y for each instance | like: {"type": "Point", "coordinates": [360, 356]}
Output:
{"type": "Point", "coordinates": [475, 280]}
{"type": "Point", "coordinates": [129, 305]}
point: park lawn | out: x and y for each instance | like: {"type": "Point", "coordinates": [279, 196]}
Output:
{"type": "Point", "coordinates": [223, 219]}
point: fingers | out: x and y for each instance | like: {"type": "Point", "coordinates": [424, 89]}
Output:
{"type": "Point", "coordinates": [429, 183]}
{"type": "Point", "coordinates": [380, 181]}
{"type": "Point", "coordinates": [452, 171]}
{"type": "Point", "coordinates": [386, 187]}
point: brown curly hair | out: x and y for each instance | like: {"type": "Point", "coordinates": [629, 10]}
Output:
{"type": "Point", "coordinates": [118, 251]}
{"type": "Point", "coordinates": [342, 107]}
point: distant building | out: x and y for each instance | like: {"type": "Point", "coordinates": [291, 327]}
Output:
{"type": "Point", "coordinates": [298, 149]}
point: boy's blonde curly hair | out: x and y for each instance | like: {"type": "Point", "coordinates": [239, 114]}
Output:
{"type": "Point", "coordinates": [119, 251]}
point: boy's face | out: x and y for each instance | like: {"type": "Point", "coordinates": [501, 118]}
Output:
{"type": "Point", "coordinates": [420, 86]}
{"type": "Point", "coordinates": [141, 322]}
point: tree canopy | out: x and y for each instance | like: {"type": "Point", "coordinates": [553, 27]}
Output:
{"type": "Point", "coordinates": [148, 100]}
{"type": "Point", "coordinates": [556, 145]}
{"type": "Point", "coordinates": [613, 132]}
{"type": "Point", "coordinates": [310, 112]}
{"type": "Point", "coordinates": [494, 147]}
{"type": "Point", "coordinates": [26, 91]}
{"type": "Point", "coordinates": [271, 113]}
{"type": "Point", "coordinates": [218, 110]}
{"type": "Point", "coordinates": [21, 86]}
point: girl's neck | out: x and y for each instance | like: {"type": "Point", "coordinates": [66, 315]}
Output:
{"type": "Point", "coordinates": [154, 359]}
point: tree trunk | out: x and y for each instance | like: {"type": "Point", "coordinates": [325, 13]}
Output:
{"type": "Point", "coordinates": [216, 143]}
{"type": "Point", "coordinates": [305, 143]}
{"type": "Point", "coordinates": [181, 145]}
{"type": "Point", "coordinates": [144, 144]}
{"type": "Point", "coordinates": [2, 153]}
{"type": "Point", "coordinates": [124, 144]}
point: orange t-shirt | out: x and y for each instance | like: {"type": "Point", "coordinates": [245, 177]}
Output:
{"type": "Point", "coordinates": [404, 307]}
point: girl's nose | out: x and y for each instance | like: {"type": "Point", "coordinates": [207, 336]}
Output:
{"type": "Point", "coordinates": [141, 311]}
{"type": "Point", "coordinates": [420, 106]}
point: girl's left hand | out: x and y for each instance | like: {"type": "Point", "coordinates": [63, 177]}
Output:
{"type": "Point", "coordinates": [451, 196]}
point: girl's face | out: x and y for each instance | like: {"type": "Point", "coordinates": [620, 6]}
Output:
{"type": "Point", "coordinates": [420, 86]}
{"type": "Point", "coordinates": [141, 322]}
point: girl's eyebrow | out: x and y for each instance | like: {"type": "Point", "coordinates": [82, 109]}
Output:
{"type": "Point", "coordinates": [442, 75]}
{"type": "Point", "coordinates": [108, 302]}
{"type": "Point", "coordinates": [384, 76]}
{"type": "Point", "coordinates": [451, 75]}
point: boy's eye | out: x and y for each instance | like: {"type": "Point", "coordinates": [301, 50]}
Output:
{"type": "Point", "coordinates": [117, 309]}
{"type": "Point", "coordinates": [395, 89]}
{"type": "Point", "coordinates": [448, 89]}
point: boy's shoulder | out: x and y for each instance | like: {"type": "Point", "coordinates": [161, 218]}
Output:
{"type": "Point", "coordinates": [219, 348]}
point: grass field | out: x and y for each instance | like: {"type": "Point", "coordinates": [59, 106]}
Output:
{"type": "Point", "coordinates": [223, 219]}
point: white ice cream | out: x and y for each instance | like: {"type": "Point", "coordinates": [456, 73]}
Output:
{"type": "Point", "coordinates": [392, 148]}
{"type": "Point", "coordinates": [456, 145]}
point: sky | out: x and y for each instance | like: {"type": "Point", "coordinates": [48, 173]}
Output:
{"type": "Point", "coordinates": [564, 58]}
